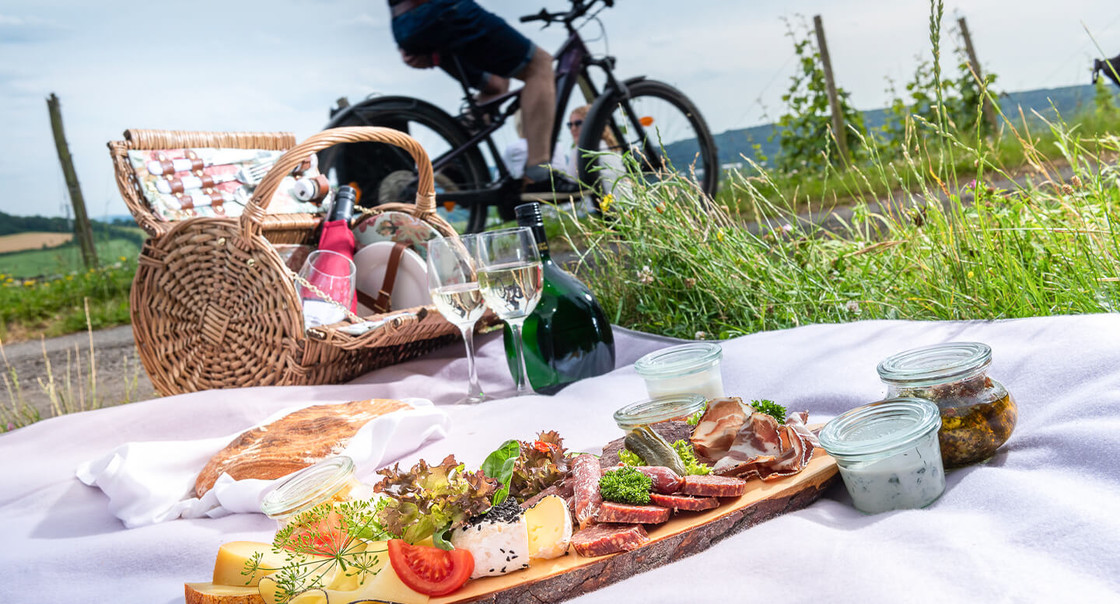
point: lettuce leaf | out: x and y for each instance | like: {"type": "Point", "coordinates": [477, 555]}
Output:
{"type": "Point", "coordinates": [427, 498]}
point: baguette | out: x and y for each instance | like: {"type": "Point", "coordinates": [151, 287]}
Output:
{"type": "Point", "coordinates": [209, 593]}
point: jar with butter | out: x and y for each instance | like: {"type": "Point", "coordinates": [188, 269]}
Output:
{"type": "Point", "coordinates": [977, 413]}
{"type": "Point", "coordinates": [692, 368]}
{"type": "Point", "coordinates": [330, 480]}
{"type": "Point", "coordinates": [888, 454]}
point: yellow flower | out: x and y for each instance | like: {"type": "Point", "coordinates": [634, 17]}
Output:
{"type": "Point", "coordinates": [123, 259]}
{"type": "Point", "coordinates": [605, 204]}
{"type": "Point", "coordinates": [719, 235]}
{"type": "Point", "coordinates": [28, 283]}
{"type": "Point", "coordinates": [969, 274]}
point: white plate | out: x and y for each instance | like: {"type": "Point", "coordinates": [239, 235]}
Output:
{"type": "Point", "coordinates": [411, 288]}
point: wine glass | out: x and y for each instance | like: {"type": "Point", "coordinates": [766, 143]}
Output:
{"type": "Point", "coordinates": [326, 286]}
{"type": "Point", "coordinates": [453, 282]}
{"type": "Point", "coordinates": [510, 279]}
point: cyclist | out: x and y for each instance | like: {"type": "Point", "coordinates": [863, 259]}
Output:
{"type": "Point", "coordinates": [479, 47]}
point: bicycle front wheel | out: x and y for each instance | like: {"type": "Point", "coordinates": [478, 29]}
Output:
{"type": "Point", "coordinates": [658, 126]}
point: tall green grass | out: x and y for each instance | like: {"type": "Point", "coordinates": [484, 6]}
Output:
{"type": "Point", "coordinates": [942, 247]}
{"type": "Point", "coordinates": [52, 307]}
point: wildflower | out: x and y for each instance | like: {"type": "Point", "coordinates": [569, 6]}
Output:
{"type": "Point", "coordinates": [660, 208]}
{"type": "Point", "coordinates": [604, 204]}
{"type": "Point", "coordinates": [969, 274]}
{"type": "Point", "coordinates": [719, 235]}
{"type": "Point", "coordinates": [123, 259]}
{"type": "Point", "coordinates": [853, 307]}
{"type": "Point", "coordinates": [690, 282]}
{"type": "Point", "coordinates": [1076, 181]}
{"type": "Point", "coordinates": [645, 276]}
{"type": "Point", "coordinates": [28, 283]}
{"type": "Point", "coordinates": [701, 335]}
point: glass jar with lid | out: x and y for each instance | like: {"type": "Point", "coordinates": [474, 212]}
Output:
{"type": "Point", "coordinates": [330, 480]}
{"type": "Point", "coordinates": [644, 413]}
{"type": "Point", "coordinates": [887, 454]}
{"type": "Point", "coordinates": [692, 368]}
{"type": "Point", "coordinates": [977, 413]}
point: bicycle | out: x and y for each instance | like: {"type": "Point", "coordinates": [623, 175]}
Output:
{"type": "Point", "coordinates": [650, 119]}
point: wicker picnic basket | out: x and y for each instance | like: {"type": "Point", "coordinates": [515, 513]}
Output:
{"type": "Point", "coordinates": [213, 305]}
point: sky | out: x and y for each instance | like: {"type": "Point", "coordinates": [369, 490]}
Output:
{"type": "Point", "coordinates": [280, 65]}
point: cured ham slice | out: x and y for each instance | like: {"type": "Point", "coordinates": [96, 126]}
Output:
{"type": "Point", "coordinates": [585, 488]}
{"type": "Point", "coordinates": [740, 442]}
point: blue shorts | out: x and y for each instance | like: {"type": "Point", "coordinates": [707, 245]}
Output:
{"type": "Point", "coordinates": [466, 35]}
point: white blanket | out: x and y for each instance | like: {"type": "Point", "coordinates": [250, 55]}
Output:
{"type": "Point", "coordinates": [1036, 523]}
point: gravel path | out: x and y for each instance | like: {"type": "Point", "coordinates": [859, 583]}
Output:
{"type": "Point", "coordinates": [63, 364]}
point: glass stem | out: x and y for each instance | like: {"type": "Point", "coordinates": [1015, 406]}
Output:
{"type": "Point", "coordinates": [522, 377]}
{"type": "Point", "coordinates": [474, 390]}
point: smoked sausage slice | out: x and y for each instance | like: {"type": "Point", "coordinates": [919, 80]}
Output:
{"type": "Point", "coordinates": [686, 503]}
{"type": "Point", "coordinates": [603, 539]}
{"type": "Point", "coordinates": [713, 486]}
{"type": "Point", "coordinates": [610, 511]}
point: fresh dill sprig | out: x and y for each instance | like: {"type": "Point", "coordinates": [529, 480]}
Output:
{"type": "Point", "coordinates": [326, 537]}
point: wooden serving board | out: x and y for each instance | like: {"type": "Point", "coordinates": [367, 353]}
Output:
{"type": "Point", "coordinates": [686, 533]}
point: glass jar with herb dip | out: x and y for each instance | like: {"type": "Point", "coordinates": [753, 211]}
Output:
{"type": "Point", "coordinates": [977, 412]}
{"type": "Point", "coordinates": [887, 454]}
{"type": "Point", "coordinates": [329, 481]}
{"type": "Point", "coordinates": [692, 368]}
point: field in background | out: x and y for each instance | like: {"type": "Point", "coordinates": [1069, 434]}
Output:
{"type": "Point", "coordinates": [32, 241]}
{"type": "Point", "coordinates": [34, 262]}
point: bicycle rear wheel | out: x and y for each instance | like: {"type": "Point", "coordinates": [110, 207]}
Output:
{"type": "Point", "coordinates": [676, 137]}
{"type": "Point", "coordinates": [384, 173]}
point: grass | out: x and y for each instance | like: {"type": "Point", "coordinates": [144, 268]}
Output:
{"type": "Point", "coordinates": [947, 246]}
{"type": "Point", "coordinates": [64, 259]}
{"type": "Point", "coordinates": [30, 308]}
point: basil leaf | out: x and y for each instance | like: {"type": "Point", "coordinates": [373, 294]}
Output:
{"type": "Point", "coordinates": [499, 466]}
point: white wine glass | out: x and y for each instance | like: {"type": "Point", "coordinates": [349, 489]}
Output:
{"type": "Point", "coordinates": [453, 281]}
{"type": "Point", "coordinates": [510, 279]}
{"type": "Point", "coordinates": [326, 287]}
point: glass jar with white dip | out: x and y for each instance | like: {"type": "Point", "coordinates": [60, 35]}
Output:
{"type": "Point", "coordinates": [977, 413]}
{"type": "Point", "coordinates": [329, 481]}
{"type": "Point", "coordinates": [888, 454]}
{"type": "Point", "coordinates": [692, 368]}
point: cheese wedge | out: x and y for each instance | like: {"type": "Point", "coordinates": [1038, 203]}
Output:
{"type": "Point", "coordinates": [209, 593]}
{"type": "Point", "coordinates": [386, 586]}
{"type": "Point", "coordinates": [550, 528]}
{"type": "Point", "coordinates": [232, 557]}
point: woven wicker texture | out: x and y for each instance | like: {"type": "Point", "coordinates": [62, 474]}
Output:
{"type": "Point", "coordinates": [214, 306]}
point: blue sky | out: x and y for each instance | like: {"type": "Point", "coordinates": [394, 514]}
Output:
{"type": "Point", "coordinates": [280, 65]}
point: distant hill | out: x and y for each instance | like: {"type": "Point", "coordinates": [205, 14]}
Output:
{"type": "Point", "coordinates": [1048, 102]}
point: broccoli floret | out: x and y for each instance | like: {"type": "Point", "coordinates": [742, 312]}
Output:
{"type": "Point", "coordinates": [625, 485]}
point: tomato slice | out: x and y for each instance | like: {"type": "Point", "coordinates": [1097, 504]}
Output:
{"type": "Point", "coordinates": [326, 537]}
{"type": "Point", "coordinates": [430, 570]}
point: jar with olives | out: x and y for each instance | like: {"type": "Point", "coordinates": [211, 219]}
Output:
{"type": "Point", "coordinates": [977, 412]}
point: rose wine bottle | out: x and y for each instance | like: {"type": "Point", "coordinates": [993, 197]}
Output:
{"type": "Point", "coordinates": [336, 235]}
{"type": "Point", "coordinates": [567, 337]}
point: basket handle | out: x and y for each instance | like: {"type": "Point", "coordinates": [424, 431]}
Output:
{"type": "Point", "coordinates": [425, 191]}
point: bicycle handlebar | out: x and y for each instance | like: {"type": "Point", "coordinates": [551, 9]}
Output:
{"type": "Point", "coordinates": [579, 9]}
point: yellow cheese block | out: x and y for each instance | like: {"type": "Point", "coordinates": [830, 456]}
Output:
{"type": "Point", "coordinates": [229, 567]}
{"type": "Point", "coordinates": [550, 528]}
{"type": "Point", "coordinates": [209, 593]}
{"type": "Point", "coordinates": [386, 586]}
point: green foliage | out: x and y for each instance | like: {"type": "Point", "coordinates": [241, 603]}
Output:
{"type": "Point", "coordinates": [1103, 100]}
{"type": "Point", "coordinates": [57, 306]}
{"type": "Point", "coordinates": [807, 121]}
{"type": "Point", "coordinates": [692, 465]}
{"type": "Point", "coordinates": [770, 408]}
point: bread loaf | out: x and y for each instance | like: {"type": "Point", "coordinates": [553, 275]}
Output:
{"type": "Point", "coordinates": [292, 442]}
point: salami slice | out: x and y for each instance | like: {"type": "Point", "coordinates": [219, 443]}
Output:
{"type": "Point", "coordinates": [586, 473]}
{"type": "Point", "coordinates": [664, 479]}
{"type": "Point", "coordinates": [685, 503]}
{"type": "Point", "coordinates": [632, 514]}
{"type": "Point", "coordinates": [603, 539]}
{"type": "Point", "coordinates": [713, 486]}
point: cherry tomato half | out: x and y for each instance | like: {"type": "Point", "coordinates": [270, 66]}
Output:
{"type": "Point", "coordinates": [430, 570]}
{"type": "Point", "coordinates": [325, 537]}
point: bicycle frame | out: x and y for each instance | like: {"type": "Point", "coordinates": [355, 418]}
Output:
{"type": "Point", "coordinates": [572, 61]}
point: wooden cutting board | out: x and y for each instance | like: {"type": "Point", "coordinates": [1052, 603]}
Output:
{"type": "Point", "coordinates": [684, 534]}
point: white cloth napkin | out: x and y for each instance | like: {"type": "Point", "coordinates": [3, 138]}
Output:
{"type": "Point", "coordinates": [151, 482]}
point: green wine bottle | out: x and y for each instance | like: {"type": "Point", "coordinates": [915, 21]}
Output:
{"type": "Point", "coordinates": [567, 337]}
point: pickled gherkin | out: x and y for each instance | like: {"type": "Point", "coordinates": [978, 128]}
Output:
{"type": "Point", "coordinates": [654, 450]}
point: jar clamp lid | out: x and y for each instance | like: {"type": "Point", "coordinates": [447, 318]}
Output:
{"type": "Point", "coordinates": [880, 428]}
{"type": "Point", "coordinates": [308, 487]}
{"type": "Point", "coordinates": [937, 364]}
{"type": "Point", "coordinates": [679, 360]}
{"type": "Point", "coordinates": [659, 409]}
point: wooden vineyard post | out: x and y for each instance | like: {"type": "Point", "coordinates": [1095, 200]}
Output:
{"type": "Point", "coordinates": [82, 228]}
{"type": "Point", "coordinates": [838, 128]}
{"type": "Point", "coordinates": [986, 105]}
